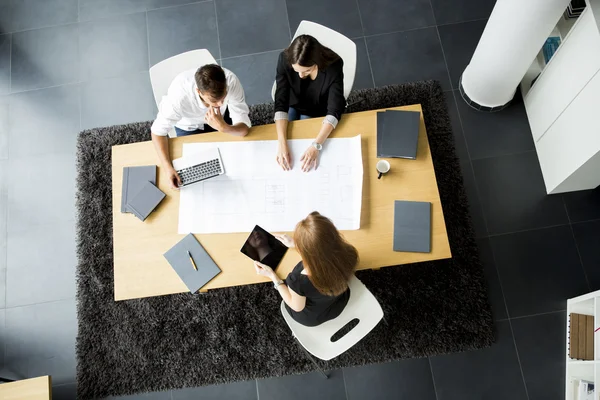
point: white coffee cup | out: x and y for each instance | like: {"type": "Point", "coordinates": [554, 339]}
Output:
{"type": "Point", "coordinates": [383, 167]}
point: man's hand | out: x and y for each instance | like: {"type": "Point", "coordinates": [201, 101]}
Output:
{"type": "Point", "coordinates": [173, 178]}
{"type": "Point", "coordinates": [264, 270]}
{"type": "Point", "coordinates": [309, 159]}
{"type": "Point", "coordinates": [214, 118]}
{"type": "Point", "coordinates": [284, 159]}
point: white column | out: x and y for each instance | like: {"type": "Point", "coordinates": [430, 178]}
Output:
{"type": "Point", "coordinates": [513, 36]}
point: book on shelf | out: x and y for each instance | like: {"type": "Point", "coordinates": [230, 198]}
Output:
{"type": "Point", "coordinates": [583, 390]}
{"type": "Point", "coordinates": [581, 336]}
{"type": "Point", "coordinates": [550, 47]}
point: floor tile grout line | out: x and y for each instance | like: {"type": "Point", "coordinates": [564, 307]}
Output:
{"type": "Point", "coordinates": [463, 22]}
{"type": "Point", "coordinates": [527, 230]}
{"type": "Point", "coordinates": [177, 5]}
{"type": "Point", "coordinates": [462, 127]}
{"type": "Point", "coordinates": [287, 18]}
{"type": "Point", "coordinates": [587, 280]}
{"type": "Point", "coordinates": [447, 69]}
{"type": "Point", "coordinates": [499, 279]}
{"type": "Point", "coordinates": [257, 393]}
{"type": "Point", "coordinates": [40, 302]}
{"type": "Point", "coordinates": [536, 314]}
{"type": "Point", "coordinates": [518, 358]}
{"type": "Point", "coordinates": [252, 54]}
{"type": "Point", "coordinates": [364, 38]}
{"type": "Point", "coordinates": [585, 221]}
{"type": "Point", "coordinates": [401, 31]}
{"type": "Point", "coordinates": [432, 378]}
{"type": "Point", "coordinates": [218, 35]}
{"type": "Point", "coordinates": [148, 40]}
{"type": "Point", "coordinates": [503, 155]}
{"type": "Point", "coordinates": [10, 47]}
{"type": "Point", "coordinates": [345, 387]}
{"type": "Point", "coordinates": [433, 14]}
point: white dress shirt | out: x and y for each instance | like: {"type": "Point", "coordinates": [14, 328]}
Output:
{"type": "Point", "coordinates": [182, 105]}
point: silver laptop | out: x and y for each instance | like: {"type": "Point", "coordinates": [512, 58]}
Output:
{"type": "Point", "coordinates": [199, 166]}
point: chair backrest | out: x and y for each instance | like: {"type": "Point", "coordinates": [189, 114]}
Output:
{"type": "Point", "coordinates": [163, 73]}
{"type": "Point", "coordinates": [362, 305]}
{"type": "Point", "coordinates": [337, 42]}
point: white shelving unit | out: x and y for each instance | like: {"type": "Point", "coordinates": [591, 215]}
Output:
{"type": "Point", "coordinates": [588, 304]}
{"type": "Point", "coordinates": [562, 104]}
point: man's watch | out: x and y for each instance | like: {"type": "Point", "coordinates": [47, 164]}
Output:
{"type": "Point", "coordinates": [317, 146]}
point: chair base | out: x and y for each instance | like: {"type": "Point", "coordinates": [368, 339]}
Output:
{"type": "Point", "coordinates": [311, 358]}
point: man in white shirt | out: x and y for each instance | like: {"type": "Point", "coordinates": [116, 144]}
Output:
{"type": "Point", "coordinates": [208, 99]}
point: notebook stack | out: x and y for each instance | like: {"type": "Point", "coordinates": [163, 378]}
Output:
{"type": "Point", "coordinates": [139, 194]}
{"type": "Point", "coordinates": [397, 134]}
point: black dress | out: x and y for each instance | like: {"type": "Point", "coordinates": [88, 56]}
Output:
{"type": "Point", "coordinates": [318, 98]}
{"type": "Point", "coordinates": [319, 307]}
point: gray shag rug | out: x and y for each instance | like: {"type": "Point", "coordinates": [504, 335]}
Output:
{"type": "Point", "coordinates": [233, 334]}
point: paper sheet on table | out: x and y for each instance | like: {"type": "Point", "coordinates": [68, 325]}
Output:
{"type": "Point", "coordinates": [255, 190]}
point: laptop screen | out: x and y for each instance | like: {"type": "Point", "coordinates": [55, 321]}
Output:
{"type": "Point", "coordinates": [264, 247]}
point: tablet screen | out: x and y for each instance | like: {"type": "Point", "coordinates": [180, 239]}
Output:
{"type": "Point", "coordinates": [264, 247]}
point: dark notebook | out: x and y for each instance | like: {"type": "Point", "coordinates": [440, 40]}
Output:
{"type": "Point", "coordinates": [145, 201]}
{"type": "Point", "coordinates": [133, 180]}
{"type": "Point", "coordinates": [398, 135]}
{"type": "Point", "coordinates": [179, 259]}
{"type": "Point", "coordinates": [412, 226]}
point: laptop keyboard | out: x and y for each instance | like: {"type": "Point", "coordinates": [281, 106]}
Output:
{"type": "Point", "coordinates": [199, 172]}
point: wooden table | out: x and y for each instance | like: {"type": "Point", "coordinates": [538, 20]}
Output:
{"type": "Point", "coordinates": [140, 270]}
{"type": "Point", "coordinates": [27, 389]}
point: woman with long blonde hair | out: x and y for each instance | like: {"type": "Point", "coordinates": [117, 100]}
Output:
{"type": "Point", "coordinates": [317, 289]}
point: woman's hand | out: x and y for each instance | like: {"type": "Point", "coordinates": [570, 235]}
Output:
{"type": "Point", "coordinates": [265, 270]}
{"type": "Point", "coordinates": [284, 159]}
{"type": "Point", "coordinates": [309, 159]}
{"type": "Point", "coordinates": [286, 240]}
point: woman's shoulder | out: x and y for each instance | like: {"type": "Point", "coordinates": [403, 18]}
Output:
{"type": "Point", "coordinates": [337, 65]}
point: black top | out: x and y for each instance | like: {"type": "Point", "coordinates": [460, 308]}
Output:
{"type": "Point", "coordinates": [319, 307]}
{"type": "Point", "coordinates": [323, 96]}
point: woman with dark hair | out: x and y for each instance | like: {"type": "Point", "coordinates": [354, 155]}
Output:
{"type": "Point", "coordinates": [317, 289]}
{"type": "Point", "coordinates": [310, 83]}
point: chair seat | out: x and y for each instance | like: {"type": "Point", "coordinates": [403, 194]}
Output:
{"type": "Point", "coordinates": [362, 305]}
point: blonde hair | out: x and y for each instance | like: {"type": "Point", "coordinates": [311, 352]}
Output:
{"type": "Point", "coordinates": [330, 260]}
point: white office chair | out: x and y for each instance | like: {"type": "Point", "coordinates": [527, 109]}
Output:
{"type": "Point", "coordinates": [344, 47]}
{"type": "Point", "coordinates": [163, 73]}
{"type": "Point", "coordinates": [316, 340]}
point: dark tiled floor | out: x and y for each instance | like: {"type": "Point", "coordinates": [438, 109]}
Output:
{"type": "Point", "coordinates": [67, 65]}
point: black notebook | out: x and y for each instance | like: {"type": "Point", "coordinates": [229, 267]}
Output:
{"type": "Point", "coordinates": [145, 201]}
{"type": "Point", "coordinates": [412, 226]}
{"type": "Point", "coordinates": [397, 134]}
{"type": "Point", "coordinates": [133, 180]}
{"type": "Point", "coordinates": [179, 259]}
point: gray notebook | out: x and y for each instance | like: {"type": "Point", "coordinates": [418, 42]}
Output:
{"type": "Point", "coordinates": [399, 134]}
{"type": "Point", "coordinates": [145, 201]}
{"type": "Point", "coordinates": [412, 226]}
{"type": "Point", "coordinates": [133, 180]}
{"type": "Point", "coordinates": [179, 259]}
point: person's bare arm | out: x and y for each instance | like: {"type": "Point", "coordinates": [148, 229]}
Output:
{"type": "Point", "coordinates": [284, 159]}
{"type": "Point", "coordinates": [214, 118]}
{"type": "Point", "coordinates": [291, 298]}
{"type": "Point", "coordinates": [239, 129]}
{"type": "Point", "coordinates": [161, 145]}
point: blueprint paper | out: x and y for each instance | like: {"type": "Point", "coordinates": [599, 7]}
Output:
{"type": "Point", "coordinates": [255, 190]}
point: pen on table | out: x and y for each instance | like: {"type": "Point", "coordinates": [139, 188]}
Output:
{"type": "Point", "coordinates": [192, 260]}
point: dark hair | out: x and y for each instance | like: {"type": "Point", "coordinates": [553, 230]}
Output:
{"type": "Point", "coordinates": [306, 51]}
{"type": "Point", "coordinates": [330, 260]}
{"type": "Point", "coordinates": [210, 79]}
